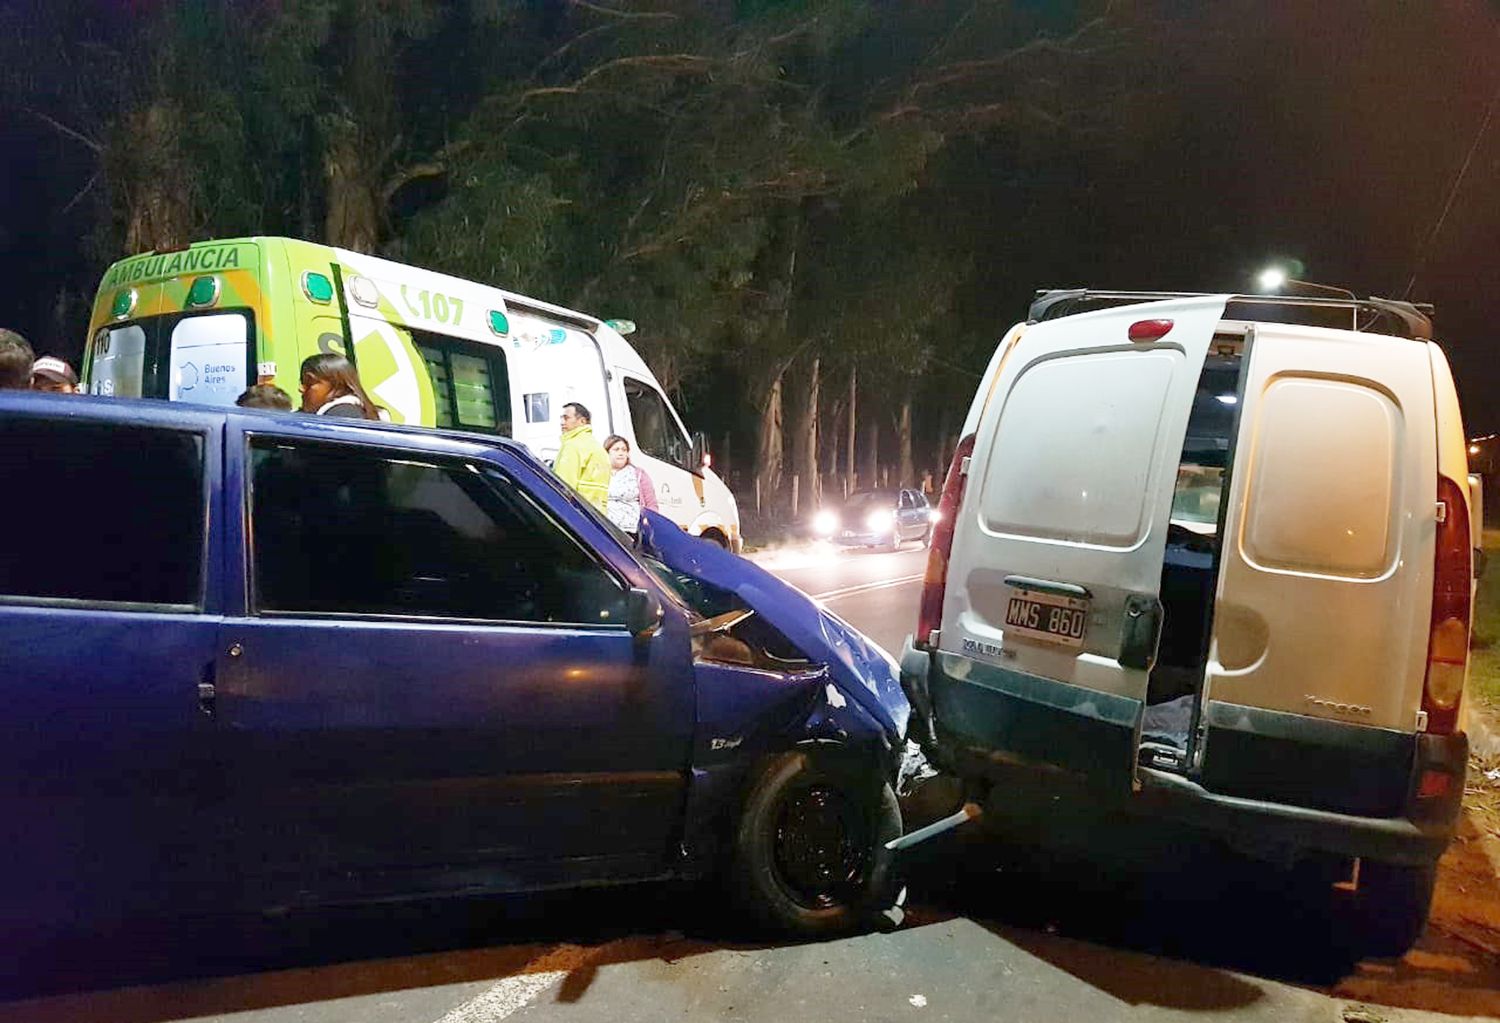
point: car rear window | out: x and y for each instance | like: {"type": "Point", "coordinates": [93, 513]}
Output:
{"type": "Point", "coordinates": [101, 513]}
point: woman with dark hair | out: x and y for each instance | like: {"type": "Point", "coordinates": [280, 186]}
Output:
{"type": "Point", "coordinates": [630, 489]}
{"type": "Point", "coordinates": [331, 387]}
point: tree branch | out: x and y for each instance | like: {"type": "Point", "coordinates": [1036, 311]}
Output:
{"type": "Point", "coordinates": [629, 15]}
{"type": "Point", "coordinates": [681, 63]}
{"type": "Point", "coordinates": [433, 168]}
{"type": "Point", "coordinates": [77, 136]}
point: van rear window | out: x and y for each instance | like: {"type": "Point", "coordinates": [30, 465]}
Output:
{"type": "Point", "coordinates": [1323, 474]}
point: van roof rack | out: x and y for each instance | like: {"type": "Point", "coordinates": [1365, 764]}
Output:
{"type": "Point", "coordinates": [1386, 315]}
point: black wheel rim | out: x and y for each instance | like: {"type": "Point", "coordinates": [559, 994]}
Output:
{"type": "Point", "coordinates": [822, 853]}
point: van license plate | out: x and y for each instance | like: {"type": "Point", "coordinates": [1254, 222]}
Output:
{"type": "Point", "coordinates": [1045, 616]}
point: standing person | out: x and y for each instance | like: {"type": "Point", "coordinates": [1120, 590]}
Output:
{"type": "Point", "coordinates": [630, 489]}
{"type": "Point", "coordinates": [581, 463]}
{"type": "Point", "coordinates": [16, 358]}
{"type": "Point", "coordinates": [331, 387]}
{"type": "Point", "coordinates": [49, 373]}
{"type": "Point", "coordinates": [929, 487]}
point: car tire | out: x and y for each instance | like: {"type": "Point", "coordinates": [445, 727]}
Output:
{"type": "Point", "coordinates": [927, 537]}
{"type": "Point", "coordinates": [809, 857]}
{"type": "Point", "coordinates": [895, 544]}
{"type": "Point", "coordinates": [1394, 900]}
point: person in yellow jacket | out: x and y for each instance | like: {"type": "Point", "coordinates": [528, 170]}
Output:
{"type": "Point", "coordinates": [581, 462]}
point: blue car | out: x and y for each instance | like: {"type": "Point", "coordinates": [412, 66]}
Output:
{"type": "Point", "coordinates": [253, 661]}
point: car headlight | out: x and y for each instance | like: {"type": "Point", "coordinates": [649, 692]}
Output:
{"type": "Point", "coordinates": [879, 520]}
{"type": "Point", "coordinates": [934, 516]}
{"type": "Point", "coordinates": [825, 523]}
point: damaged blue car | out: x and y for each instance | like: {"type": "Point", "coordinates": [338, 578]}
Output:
{"type": "Point", "coordinates": [281, 660]}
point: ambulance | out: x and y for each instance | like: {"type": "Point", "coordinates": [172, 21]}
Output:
{"type": "Point", "coordinates": [202, 323]}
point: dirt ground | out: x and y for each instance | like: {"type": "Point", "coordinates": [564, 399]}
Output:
{"type": "Point", "coordinates": [1456, 966]}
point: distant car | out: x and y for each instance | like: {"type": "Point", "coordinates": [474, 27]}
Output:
{"type": "Point", "coordinates": [259, 660]}
{"type": "Point", "coordinates": [877, 518]}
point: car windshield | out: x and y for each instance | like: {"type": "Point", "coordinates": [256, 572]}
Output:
{"type": "Point", "coordinates": [870, 500]}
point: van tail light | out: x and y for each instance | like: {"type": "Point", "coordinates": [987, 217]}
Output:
{"type": "Point", "coordinates": [934, 584]}
{"type": "Point", "coordinates": [1448, 640]}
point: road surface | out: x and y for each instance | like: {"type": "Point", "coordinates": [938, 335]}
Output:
{"type": "Point", "coordinates": [990, 934]}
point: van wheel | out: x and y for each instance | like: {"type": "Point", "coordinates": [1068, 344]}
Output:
{"type": "Point", "coordinates": [715, 536]}
{"type": "Point", "coordinates": [1393, 903]}
{"type": "Point", "coordinates": [809, 853]}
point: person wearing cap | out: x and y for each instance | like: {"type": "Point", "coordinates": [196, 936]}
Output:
{"type": "Point", "coordinates": [49, 373]}
{"type": "Point", "coordinates": [15, 361]}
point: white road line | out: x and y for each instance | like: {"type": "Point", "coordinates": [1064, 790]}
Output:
{"type": "Point", "coordinates": [849, 591]}
{"type": "Point", "coordinates": [514, 993]}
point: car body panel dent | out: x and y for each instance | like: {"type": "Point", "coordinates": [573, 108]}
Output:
{"type": "Point", "coordinates": [856, 667]}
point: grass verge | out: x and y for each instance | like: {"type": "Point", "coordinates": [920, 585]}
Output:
{"type": "Point", "coordinates": [1484, 663]}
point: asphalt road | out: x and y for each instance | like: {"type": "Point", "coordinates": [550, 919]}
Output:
{"type": "Point", "coordinates": [994, 930]}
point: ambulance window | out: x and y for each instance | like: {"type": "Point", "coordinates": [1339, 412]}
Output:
{"type": "Point", "coordinates": [656, 430]}
{"type": "Point", "coordinates": [470, 383]}
{"type": "Point", "coordinates": [209, 359]}
{"type": "Point", "coordinates": [1323, 477]}
{"type": "Point", "coordinates": [118, 361]}
{"type": "Point", "coordinates": [539, 407]}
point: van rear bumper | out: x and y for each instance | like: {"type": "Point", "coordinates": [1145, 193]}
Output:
{"type": "Point", "coordinates": [1417, 832]}
{"type": "Point", "coordinates": [1256, 823]}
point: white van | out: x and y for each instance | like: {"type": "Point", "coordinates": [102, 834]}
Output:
{"type": "Point", "coordinates": [203, 323]}
{"type": "Point", "coordinates": [1217, 564]}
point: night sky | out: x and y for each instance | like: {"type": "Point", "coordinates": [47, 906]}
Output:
{"type": "Point", "coordinates": [1330, 133]}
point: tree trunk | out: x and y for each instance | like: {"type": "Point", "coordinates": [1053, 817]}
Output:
{"type": "Point", "coordinates": [905, 477]}
{"type": "Point", "coordinates": [853, 395]}
{"type": "Point", "coordinates": [829, 441]}
{"type": "Point", "coordinates": [353, 220]}
{"type": "Point", "coordinates": [805, 439]}
{"type": "Point", "coordinates": [869, 476]}
{"type": "Point", "coordinates": [156, 180]}
{"type": "Point", "coordinates": [940, 468]}
{"type": "Point", "coordinates": [768, 453]}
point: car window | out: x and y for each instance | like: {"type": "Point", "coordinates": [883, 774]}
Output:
{"type": "Point", "coordinates": [906, 501]}
{"type": "Point", "coordinates": [101, 512]}
{"type": "Point", "coordinates": [339, 529]}
{"type": "Point", "coordinates": [656, 431]}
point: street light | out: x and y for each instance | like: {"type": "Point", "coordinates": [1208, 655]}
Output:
{"type": "Point", "coordinates": [1274, 278]}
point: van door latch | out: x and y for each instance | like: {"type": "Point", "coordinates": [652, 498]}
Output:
{"type": "Point", "coordinates": [1140, 631]}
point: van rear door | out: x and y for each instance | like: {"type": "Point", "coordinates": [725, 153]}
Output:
{"type": "Point", "coordinates": [1325, 582]}
{"type": "Point", "coordinates": [1052, 613]}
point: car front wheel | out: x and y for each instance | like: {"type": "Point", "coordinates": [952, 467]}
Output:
{"type": "Point", "coordinates": [809, 853]}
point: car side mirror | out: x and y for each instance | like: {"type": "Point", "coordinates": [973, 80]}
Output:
{"type": "Point", "coordinates": [643, 613]}
{"type": "Point", "coordinates": [700, 449]}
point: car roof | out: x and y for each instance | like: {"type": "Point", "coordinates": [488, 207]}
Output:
{"type": "Point", "coordinates": [157, 412]}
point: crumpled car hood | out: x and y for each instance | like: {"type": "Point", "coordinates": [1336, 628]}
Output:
{"type": "Point", "coordinates": [859, 668]}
